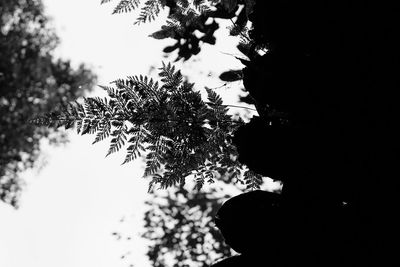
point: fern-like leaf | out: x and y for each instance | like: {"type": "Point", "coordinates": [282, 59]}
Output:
{"type": "Point", "coordinates": [136, 143]}
{"type": "Point", "coordinates": [170, 77]}
{"type": "Point", "coordinates": [103, 131]}
{"type": "Point", "coordinates": [118, 140]}
{"type": "Point", "coordinates": [170, 179]}
{"type": "Point", "coordinates": [156, 155]}
{"type": "Point", "coordinates": [213, 98]}
{"type": "Point", "coordinates": [89, 126]}
{"type": "Point", "coordinates": [153, 163]}
{"type": "Point", "coordinates": [145, 86]}
{"type": "Point", "coordinates": [182, 134]}
{"type": "Point", "coordinates": [253, 180]}
{"type": "Point", "coordinates": [216, 104]}
{"type": "Point", "coordinates": [125, 6]}
{"type": "Point", "coordinates": [149, 12]}
{"type": "Point", "coordinates": [199, 179]}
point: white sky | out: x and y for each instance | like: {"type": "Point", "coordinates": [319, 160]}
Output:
{"type": "Point", "coordinates": [71, 207]}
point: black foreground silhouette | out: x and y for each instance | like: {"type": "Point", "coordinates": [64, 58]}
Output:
{"type": "Point", "coordinates": [267, 231]}
{"type": "Point", "coordinates": [326, 92]}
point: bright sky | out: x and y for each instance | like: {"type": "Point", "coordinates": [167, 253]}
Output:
{"type": "Point", "coordinates": [72, 206]}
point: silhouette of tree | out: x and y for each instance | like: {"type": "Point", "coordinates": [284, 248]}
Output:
{"type": "Point", "coordinates": [32, 81]}
{"type": "Point", "coordinates": [324, 92]}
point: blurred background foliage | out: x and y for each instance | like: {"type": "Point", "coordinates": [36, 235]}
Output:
{"type": "Point", "coordinates": [32, 81]}
{"type": "Point", "coordinates": [179, 225]}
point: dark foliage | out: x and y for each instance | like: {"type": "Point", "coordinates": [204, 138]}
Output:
{"type": "Point", "coordinates": [231, 75]}
{"type": "Point", "coordinates": [268, 230]}
{"type": "Point", "coordinates": [325, 92]}
{"type": "Point", "coordinates": [188, 19]}
{"type": "Point", "coordinates": [242, 232]}
{"type": "Point", "coordinates": [32, 81]}
{"type": "Point", "coordinates": [187, 43]}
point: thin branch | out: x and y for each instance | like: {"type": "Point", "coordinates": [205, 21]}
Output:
{"type": "Point", "coordinates": [218, 87]}
{"type": "Point", "coordinates": [234, 106]}
{"type": "Point", "coordinates": [244, 36]}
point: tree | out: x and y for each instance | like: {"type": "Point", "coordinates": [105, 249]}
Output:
{"type": "Point", "coordinates": [323, 78]}
{"type": "Point", "coordinates": [32, 81]}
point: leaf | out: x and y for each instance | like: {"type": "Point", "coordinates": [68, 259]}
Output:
{"type": "Point", "coordinates": [145, 87]}
{"type": "Point", "coordinates": [125, 6]}
{"type": "Point", "coordinates": [165, 32]}
{"type": "Point", "coordinates": [156, 179]}
{"type": "Point", "coordinates": [78, 126]}
{"type": "Point", "coordinates": [213, 97]}
{"type": "Point", "coordinates": [170, 179]}
{"type": "Point", "coordinates": [156, 156]}
{"type": "Point", "coordinates": [170, 77]}
{"type": "Point", "coordinates": [231, 76]}
{"type": "Point", "coordinates": [103, 131]}
{"type": "Point", "coordinates": [136, 141]}
{"type": "Point", "coordinates": [169, 49]}
{"type": "Point", "coordinates": [253, 180]}
{"type": "Point", "coordinates": [110, 90]}
{"type": "Point", "coordinates": [199, 181]}
{"type": "Point", "coordinates": [86, 126]}
{"type": "Point", "coordinates": [153, 163]}
{"type": "Point", "coordinates": [149, 12]}
{"type": "Point", "coordinates": [118, 140]}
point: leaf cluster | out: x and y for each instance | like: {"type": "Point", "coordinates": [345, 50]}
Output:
{"type": "Point", "coordinates": [167, 122]}
{"type": "Point", "coordinates": [150, 9]}
{"type": "Point", "coordinates": [188, 18]}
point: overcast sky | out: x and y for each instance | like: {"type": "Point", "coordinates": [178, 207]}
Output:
{"type": "Point", "coordinates": [72, 206]}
